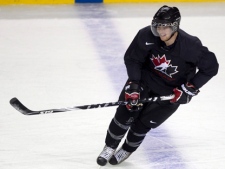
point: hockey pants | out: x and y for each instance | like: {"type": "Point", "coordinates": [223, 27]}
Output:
{"type": "Point", "coordinates": [138, 123]}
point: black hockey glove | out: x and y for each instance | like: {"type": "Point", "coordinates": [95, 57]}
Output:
{"type": "Point", "coordinates": [132, 95]}
{"type": "Point", "coordinates": [184, 93]}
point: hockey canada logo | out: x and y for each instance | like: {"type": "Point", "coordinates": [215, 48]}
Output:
{"type": "Point", "coordinates": [163, 65]}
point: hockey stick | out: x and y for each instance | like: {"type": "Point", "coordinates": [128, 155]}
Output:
{"type": "Point", "coordinates": [24, 110]}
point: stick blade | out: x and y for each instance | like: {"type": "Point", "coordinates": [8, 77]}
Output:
{"type": "Point", "coordinates": [19, 106]}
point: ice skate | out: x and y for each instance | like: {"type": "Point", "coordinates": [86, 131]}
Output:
{"type": "Point", "coordinates": [119, 156]}
{"type": "Point", "coordinates": [105, 155]}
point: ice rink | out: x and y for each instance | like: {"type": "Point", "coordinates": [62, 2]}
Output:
{"type": "Point", "coordinates": [71, 55]}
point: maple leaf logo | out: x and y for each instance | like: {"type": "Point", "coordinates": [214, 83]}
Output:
{"type": "Point", "coordinates": [163, 65]}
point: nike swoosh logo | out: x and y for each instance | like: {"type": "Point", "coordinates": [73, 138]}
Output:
{"type": "Point", "coordinates": [152, 122]}
{"type": "Point", "coordinates": [146, 43]}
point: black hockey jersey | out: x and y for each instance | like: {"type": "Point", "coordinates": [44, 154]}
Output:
{"type": "Point", "coordinates": [162, 68]}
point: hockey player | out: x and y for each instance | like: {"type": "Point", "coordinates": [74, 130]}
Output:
{"type": "Point", "coordinates": [161, 60]}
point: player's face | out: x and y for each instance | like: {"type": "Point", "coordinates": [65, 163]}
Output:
{"type": "Point", "coordinates": [164, 32]}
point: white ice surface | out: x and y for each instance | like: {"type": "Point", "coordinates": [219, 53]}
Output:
{"type": "Point", "coordinates": [50, 58]}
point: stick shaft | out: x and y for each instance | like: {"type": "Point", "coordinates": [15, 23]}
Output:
{"type": "Point", "coordinates": [24, 110]}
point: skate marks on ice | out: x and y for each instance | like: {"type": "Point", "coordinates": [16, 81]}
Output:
{"type": "Point", "coordinates": [45, 60]}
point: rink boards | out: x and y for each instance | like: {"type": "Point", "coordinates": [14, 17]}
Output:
{"type": "Point", "coordinates": [11, 2]}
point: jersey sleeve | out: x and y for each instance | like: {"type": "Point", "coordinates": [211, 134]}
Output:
{"type": "Point", "coordinates": [135, 57]}
{"type": "Point", "coordinates": [207, 65]}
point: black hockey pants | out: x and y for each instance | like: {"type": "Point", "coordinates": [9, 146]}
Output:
{"type": "Point", "coordinates": [137, 123]}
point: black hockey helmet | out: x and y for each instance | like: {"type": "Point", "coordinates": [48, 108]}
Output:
{"type": "Point", "coordinates": [166, 16]}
